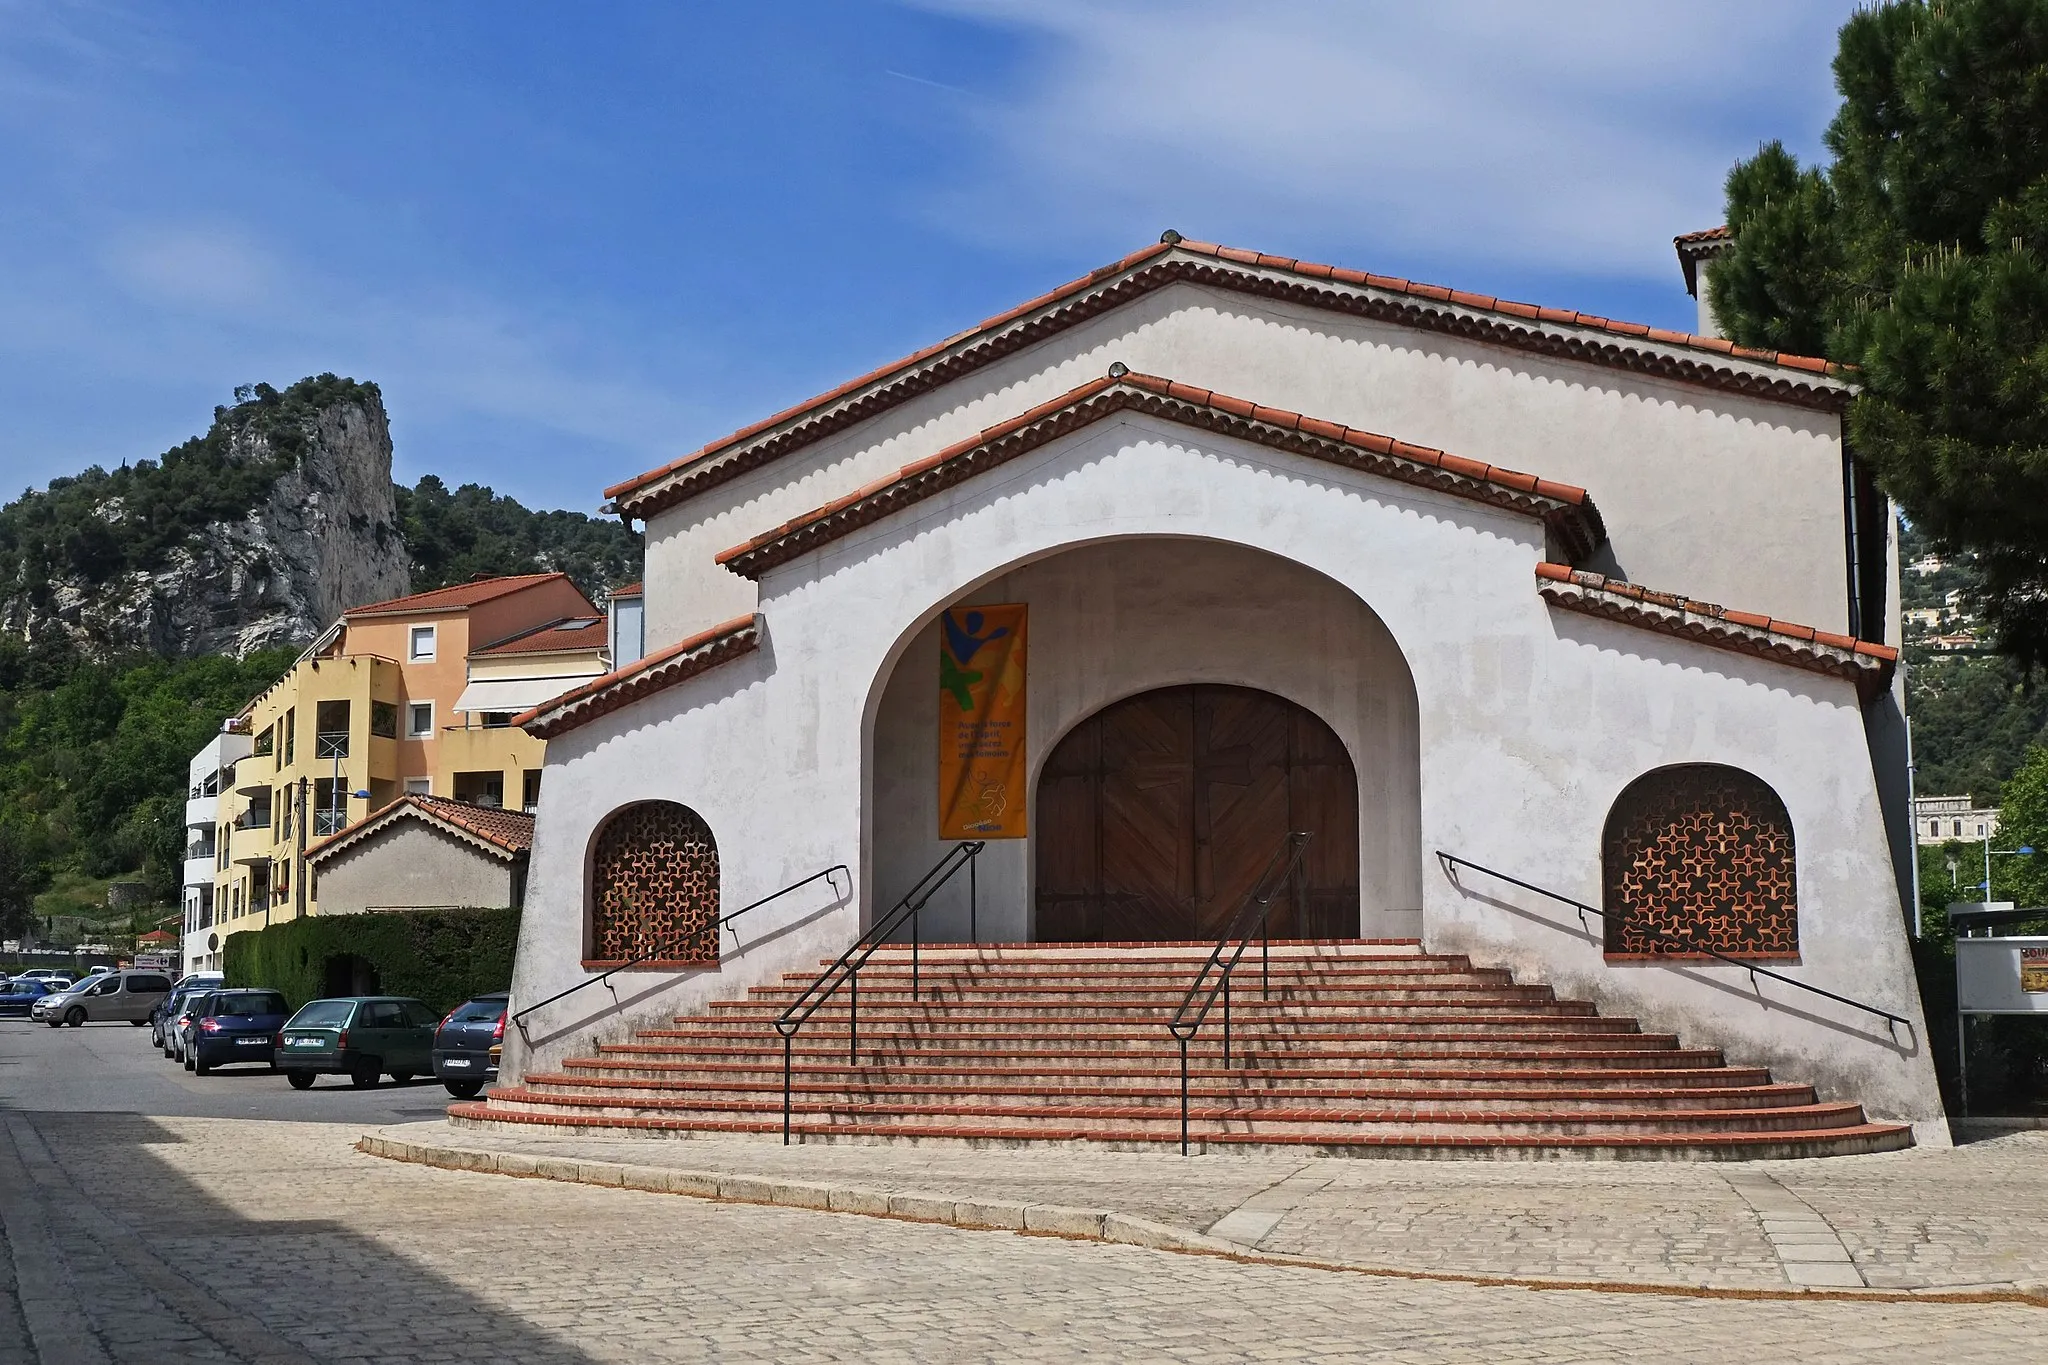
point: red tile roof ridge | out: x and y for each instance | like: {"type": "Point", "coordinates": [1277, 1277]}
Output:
{"type": "Point", "coordinates": [1150, 256]}
{"type": "Point", "coordinates": [453, 595]}
{"type": "Point", "coordinates": [508, 832]}
{"type": "Point", "coordinates": [1508, 487]}
{"type": "Point", "coordinates": [1712, 234]}
{"type": "Point", "coordinates": [1790, 641]}
{"type": "Point", "coordinates": [653, 672]}
{"type": "Point", "coordinates": [632, 589]}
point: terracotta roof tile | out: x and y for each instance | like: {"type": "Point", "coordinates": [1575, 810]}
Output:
{"type": "Point", "coordinates": [1565, 508]}
{"type": "Point", "coordinates": [664, 668]}
{"type": "Point", "coordinates": [1868, 665]}
{"type": "Point", "coordinates": [508, 832]}
{"type": "Point", "coordinates": [454, 596]}
{"type": "Point", "coordinates": [630, 590]}
{"type": "Point", "coordinates": [570, 632]}
{"type": "Point", "coordinates": [1694, 359]}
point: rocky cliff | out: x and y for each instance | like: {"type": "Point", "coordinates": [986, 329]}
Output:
{"type": "Point", "coordinates": [260, 533]}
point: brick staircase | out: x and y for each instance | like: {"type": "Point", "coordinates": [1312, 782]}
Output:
{"type": "Point", "coordinates": [1364, 1049]}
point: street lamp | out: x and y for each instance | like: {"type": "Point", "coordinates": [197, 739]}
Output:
{"type": "Point", "coordinates": [2024, 850]}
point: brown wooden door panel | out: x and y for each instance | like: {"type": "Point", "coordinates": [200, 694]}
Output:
{"type": "Point", "coordinates": [1158, 816]}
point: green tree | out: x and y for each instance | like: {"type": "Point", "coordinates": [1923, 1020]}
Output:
{"type": "Point", "coordinates": [2023, 823]}
{"type": "Point", "coordinates": [1916, 255]}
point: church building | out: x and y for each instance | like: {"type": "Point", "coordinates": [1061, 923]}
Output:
{"type": "Point", "coordinates": [1560, 651]}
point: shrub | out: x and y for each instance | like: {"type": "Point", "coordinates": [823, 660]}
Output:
{"type": "Point", "coordinates": [440, 956]}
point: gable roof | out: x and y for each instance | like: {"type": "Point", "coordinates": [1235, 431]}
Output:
{"type": "Point", "coordinates": [1708, 361]}
{"type": "Point", "coordinates": [558, 636]}
{"type": "Point", "coordinates": [662, 669]}
{"type": "Point", "coordinates": [1694, 247]}
{"type": "Point", "coordinates": [1869, 666]}
{"type": "Point", "coordinates": [501, 833]}
{"type": "Point", "coordinates": [1565, 508]}
{"type": "Point", "coordinates": [452, 597]}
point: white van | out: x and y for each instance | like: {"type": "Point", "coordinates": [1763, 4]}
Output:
{"type": "Point", "coordinates": [124, 996]}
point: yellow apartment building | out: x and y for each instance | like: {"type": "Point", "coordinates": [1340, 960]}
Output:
{"type": "Point", "coordinates": [411, 695]}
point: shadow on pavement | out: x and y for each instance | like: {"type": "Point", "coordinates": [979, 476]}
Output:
{"type": "Point", "coordinates": [114, 1254]}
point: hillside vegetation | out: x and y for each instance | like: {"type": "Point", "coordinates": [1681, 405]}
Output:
{"type": "Point", "coordinates": [93, 750]}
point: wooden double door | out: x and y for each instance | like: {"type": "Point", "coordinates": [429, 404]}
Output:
{"type": "Point", "coordinates": [1158, 815]}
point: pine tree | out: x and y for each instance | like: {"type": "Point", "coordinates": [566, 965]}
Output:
{"type": "Point", "coordinates": [1920, 256]}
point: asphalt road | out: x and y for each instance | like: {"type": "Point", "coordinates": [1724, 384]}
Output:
{"type": "Point", "coordinates": [111, 1068]}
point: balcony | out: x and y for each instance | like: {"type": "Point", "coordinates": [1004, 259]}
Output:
{"type": "Point", "coordinates": [199, 870]}
{"type": "Point", "coordinates": [254, 782]}
{"type": "Point", "coordinates": [202, 812]}
{"type": "Point", "coordinates": [256, 817]}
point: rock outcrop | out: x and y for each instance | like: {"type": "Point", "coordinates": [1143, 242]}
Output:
{"type": "Point", "coordinates": [324, 538]}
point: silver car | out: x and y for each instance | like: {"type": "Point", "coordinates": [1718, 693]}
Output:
{"type": "Point", "coordinates": [110, 997]}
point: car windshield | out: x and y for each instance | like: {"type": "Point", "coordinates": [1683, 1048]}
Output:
{"type": "Point", "coordinates": [478, 1011]}
{"type": "Point", "coordinates": [246, 1002]}
{"type": "Point", "coordinates": [323, 1014]}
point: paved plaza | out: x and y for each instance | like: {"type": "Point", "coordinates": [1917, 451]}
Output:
{"type": "Point", "coordinates": [195, 1236]}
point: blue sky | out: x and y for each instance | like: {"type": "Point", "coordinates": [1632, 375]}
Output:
{"type": "Point", "coordinates": [573, 242]}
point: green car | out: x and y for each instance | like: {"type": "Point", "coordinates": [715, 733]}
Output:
{"type": "Point", "coordinates": [363, 1037]}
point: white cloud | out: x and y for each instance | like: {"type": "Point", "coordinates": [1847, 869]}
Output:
{"type": "Point", "coordinates": [1577, 136]}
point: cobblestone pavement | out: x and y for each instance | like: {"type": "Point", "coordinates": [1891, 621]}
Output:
{"type": "Point", "coordinates": [179, 1239]}
{"type": "Point", "coordinates": [1924, 1219]}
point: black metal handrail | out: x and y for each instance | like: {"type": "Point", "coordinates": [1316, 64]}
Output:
{"type": "Point", "coordinates": [1451, 861]}
{"type": "Point", "coordinates": [1253, 914]}
{"type": "Point", "coordinates": [845, 970]}
{"type": "Point", "coordinates": [832, 873]}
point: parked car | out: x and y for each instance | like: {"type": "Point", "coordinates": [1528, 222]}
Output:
{"type": "Point", "coordinates": [50, 975]}
{"type": "Point", "coordinates": [20, 995]}
{"type": "Point", "coordinates": [124, 996]}
{"type": "Point", "coordinates": [467, 1044]}
{"type": "Point", "coordinates": [364, 1037]}
{"type": "Point", "coordinates": [229, 1026]}
{"type": "Point", "coordinates": [48, 1008]}
{"type": "Point", "coordinates": [198, 983]}
{"type": "Point", "coordinates": [175, 1022]}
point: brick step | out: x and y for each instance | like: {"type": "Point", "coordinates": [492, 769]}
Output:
{"type": "Point", "coordinates": [1295, 1038]}
{"type": "Point", "coordinates": [1247, 1115]}
{"type": "Point", "coordinates": [978, 1070]}
{"type": "Point", "coordinates": [1309, 975]}
{"type": "Point", "coordinates": [1859, 1140]}
{"type": "Point", "coordinates": [1124, 1000]}
{"type": "Point", "coordinates": [1155, 1090]}
{"type": "Point", "coordinates": [925, 1014]}
{"type": "Point", "coordinates": [1315, 950]}
{"type": "Point", "coordinates": [1622, 1050]}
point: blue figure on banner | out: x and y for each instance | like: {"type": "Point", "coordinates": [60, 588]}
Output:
{"type": "Point", "coordinates": [963, 641]}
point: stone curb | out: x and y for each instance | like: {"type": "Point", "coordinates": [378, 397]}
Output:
{"type": "Point", "coordinates": [1095, 1225]}
{"type": "Point", "coordinates": [1051, 1220]}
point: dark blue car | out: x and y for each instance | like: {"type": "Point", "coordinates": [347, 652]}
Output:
{"type": "Point", "coordinates": [233, 1026]}
{"type": "Point", "coordinates": [19, 997]}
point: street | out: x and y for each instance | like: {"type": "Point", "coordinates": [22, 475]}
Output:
{"type": "Point", "coordinates": [153, 1216]}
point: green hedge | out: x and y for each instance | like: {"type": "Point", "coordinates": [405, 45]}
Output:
{"type": "Point", "coordinates": [440, 956]}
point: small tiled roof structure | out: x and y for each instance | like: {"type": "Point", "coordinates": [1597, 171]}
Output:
{"type": "Point", "coordinates": [1694, 247]}
{"type": "Point", "coordinates": [1712, 362]}
{"type": "Point", "coordinates": [1564, 507]}
{"type": "Point", "coordinates": [506, 834]}
{"type": "Point", "coordinates": [1868, 665]}
{"type": "Point", "coordinates": [156, 936]}
{"type": "Point", "coordinates": [559, 636]}
{"type": "Point", "coordinates": [660, 670]}
{"type": "Point", "coordinates": [629, 590]}
{"type": "Point", "coordinates": [455, 595]}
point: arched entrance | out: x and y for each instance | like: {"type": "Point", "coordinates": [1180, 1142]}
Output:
{"type": "Point", "coordinates": [1157, 815]}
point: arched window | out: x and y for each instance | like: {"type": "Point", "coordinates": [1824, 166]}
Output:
{"type": "Point", "coordinates": [1700, 853]}
{"type": "Point", "coordinates": [654, 887]}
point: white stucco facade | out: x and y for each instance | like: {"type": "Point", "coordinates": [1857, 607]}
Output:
{"type": "Point", "coordinates": [1482, 719]}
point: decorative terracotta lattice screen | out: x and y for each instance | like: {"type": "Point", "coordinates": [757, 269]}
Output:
{"type": "Point", "coordinates": [1704, 853]}
{"type": "Point", "coordinates": [654, 886]}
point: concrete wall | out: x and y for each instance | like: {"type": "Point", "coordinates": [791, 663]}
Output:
{"type": "Point", "coordinates": [1727, 498]}
{"type": "Point", "coordinates": [1530, 722]}
{"type": "Point", "coordinates": [410, 863]}
{"type": "Point", "coordinates": [1117, 618]}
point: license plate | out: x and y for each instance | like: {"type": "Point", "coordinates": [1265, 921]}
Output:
{"type": "Point", "coordinates": [252, 1042]}
{"type": "Point", "coordinates": [456, 1061]}
{"type": "Point", "coordinates": [304, 1042]}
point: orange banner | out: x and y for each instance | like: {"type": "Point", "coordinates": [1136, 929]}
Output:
{"type": "Point", "coordinates": [981, 722]}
